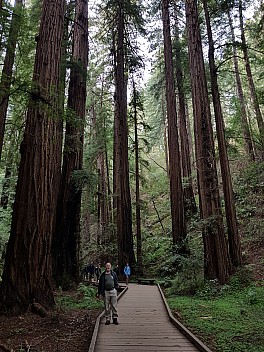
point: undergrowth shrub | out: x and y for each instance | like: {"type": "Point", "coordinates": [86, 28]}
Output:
{"type": "Point", "coordinates": [242, 278]}
{"type": "Point", "coordinates": [87, 291]}
{"type": "Point", "coordinates": [188, 279]}
{"type": "Point", "coordinates": [211, 289]}
{"type": "Point", "coordinates": [154, 248]}
{"type": "Point", "coordinates": [84, 297]}
{"type": "Point", "coordinates": [252, 297]}
{"type": "Point", "coordinates": [249, 195]}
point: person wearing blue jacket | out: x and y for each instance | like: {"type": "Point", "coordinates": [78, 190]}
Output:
{"type": "Point", "coordinates": [127, 272]}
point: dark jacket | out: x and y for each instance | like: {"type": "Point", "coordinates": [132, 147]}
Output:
{"type": "Point", "coordinates": [101, 285]}
{"type": "Point", "coordinates": [97, 271]}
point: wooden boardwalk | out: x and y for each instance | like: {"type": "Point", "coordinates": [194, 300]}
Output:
{"type": "Point", "coordinates": [144, 325]}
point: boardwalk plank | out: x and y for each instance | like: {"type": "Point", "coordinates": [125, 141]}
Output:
{"type": "Point", "coordinates": [144, 325]}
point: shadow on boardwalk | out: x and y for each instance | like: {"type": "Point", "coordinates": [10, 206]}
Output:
{"type": "Point", "coordinates": [144, 325]}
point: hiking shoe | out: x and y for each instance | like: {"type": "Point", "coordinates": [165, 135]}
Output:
{"type": "Point", "coordinates": [107, 322]}
{"type": "Point", "coordinates": [115, 321]}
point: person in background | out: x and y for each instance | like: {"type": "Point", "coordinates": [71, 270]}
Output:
{"type": "Point", "coordinates": [116, 270]}
{"type": "Point", "coordinates": [91, 271]}
{"type": "Point", "coordinates": [97, 271]}
{"type": "Point", "coordinates": [127, 272]}
{"type": "Point", "coordinates": [107, 288]}
{"type": "Point", "coordinates": [85, 272]}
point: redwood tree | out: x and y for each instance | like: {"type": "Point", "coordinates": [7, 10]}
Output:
{"type": "Point", "coordinates": [176, 190]}
{"type": "Point", "coordinates": [230, 209]}
{"type": "Point", "coordinates": [216, 258]}
{"type": "Point", "coordinates": [67, 232]}
{"type": "Point", "coordinates": [121, 165]}
{"type": "Point", "coordinates": [189, 199]}
{"type": "Point", "coordinates": [136, 103]}
{"type": "Point", "coordinates": [27, 270]}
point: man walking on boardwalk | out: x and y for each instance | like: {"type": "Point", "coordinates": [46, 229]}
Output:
{"type": "Point", "coordinates": [107, 288]}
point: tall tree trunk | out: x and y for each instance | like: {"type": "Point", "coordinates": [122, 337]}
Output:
{"type": "Point", "coordinates": [122, 191]}
{"type": "Point", "coordinates": [67, 235]}
{"type": "Point", "coordinates": [115, 146]}
{"type": "Point", "coordinates": [27, 270]}
{"type": "Point", "coordinates": [189, 200]}
{"type": "Point", "coordinates": [109, 195]}
{"type": "Point", "coordinates": [190, 139]}
{"type": "Point", "coordinates": [138, 218]}
{"type": "Point", "coordinates": [95, 135]}
{"type": "Point", "coordinates": [165, 133]}
{"type": "Point", "coordinates": [217, 261]}
{"type": "Point", "coordinates": [251, 84]}
{"type": "Point", "coordinates": [102, 168]}
{"type": "Point", "coordinates": [6, 77]}
{"type": "Point", "coordinates": [243, 114]}
{"type": "Point", "coordinates": [176, 190]}
{"type": "Point", "coordinates": [233, 236]}
{"type": "Point", "coordinates": [102, 194]}
{"type": "Point", "coordinates": [99, 206]}
{"type": "Point", "coordinates": [164, 119]}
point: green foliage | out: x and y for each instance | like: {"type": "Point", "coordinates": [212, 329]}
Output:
{"type": "Point", "coordinates": [154, 248]}
{"type": "Point", "coordinates": [85, 297]}
{"type": "Point", "coordinates": [5, 223]}
{"type": "Point", "coordinates": [100, 253]}
{"type": "Point", "coordinates": [230, 322]}
{"type": "Point", "coordinates": [81, 178]}
{"type": "Point", "coordinates": [154, 105]}
{"type": "Point", "coordinates": [189, 275]}
{"type": "Point", "coordinates": [253, 176]}
{"type": "Point", "coordinates": [242, 278]}
{"type": "Point", "coordinates": [249, 192]}
{"type": "Point", "coordinates": [5, 19]}
{"type": "Point", "coordinates": [190, 281]}
{"type": "Point", "coordinates": [211, 289]}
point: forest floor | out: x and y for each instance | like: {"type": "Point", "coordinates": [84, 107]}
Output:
{"type": "Point", "coordinates": [60, 331]}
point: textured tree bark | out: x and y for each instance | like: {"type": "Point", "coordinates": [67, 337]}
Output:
{"type": "Point", "coordinates": [103, 210]}
{"type": "Point", "coordinates": [104, 192]}
{"type": "Point", "coordinates": [27, 270]}
{"type": "Point", "coordinates": [165, 139]}
{"type": "Point", "coordinates": [137, 175]}
{"type": "Point", "coordinates": [230, 209]}
{"type": "Point", "coordinates": [121, 172]}
{"type": "Point", "coordinates": [176, 190]}
{"type": "Point", "coordinates": [6, 77]}
{"type": "Point", "coordinates": [67, 234]}
{"type": "Point", "coordinates": [216, 257]}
